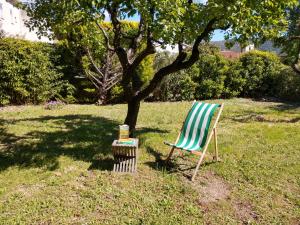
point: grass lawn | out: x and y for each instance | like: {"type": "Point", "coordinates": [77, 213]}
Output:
{"type": "Point", "coordinates": [55, 167]}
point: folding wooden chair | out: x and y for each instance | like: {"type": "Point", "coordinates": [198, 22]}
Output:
{"type": "Point", "coordinates": [194, 132]}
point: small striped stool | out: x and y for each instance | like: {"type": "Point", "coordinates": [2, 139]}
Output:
{"type": "Point", "coordinates": [125, 156]}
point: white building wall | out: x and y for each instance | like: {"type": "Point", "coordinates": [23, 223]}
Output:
{"type": "Point", "coordinates": [12, 23]}
{"type": "Point", "coordinates": [248, 48]}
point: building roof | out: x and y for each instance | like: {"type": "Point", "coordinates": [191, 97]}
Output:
{"type": "Point", "coordinates": [230, 54]}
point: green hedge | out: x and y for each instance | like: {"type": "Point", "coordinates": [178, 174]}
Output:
{"type": "Point", "coordinates": [28, 73]}
{"type": "Point", "coordinates": [266, 76]}
{"type": "Point", "coordinates": [216, 77]}
{"type": "Point", "coordinates": [255, 74]}
{"type": "Point", "coordinates": [33, 72]}
{"type": "Point", "coordinates": [287, 85]}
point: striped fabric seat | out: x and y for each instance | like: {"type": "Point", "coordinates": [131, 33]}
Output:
{"type": "Point", "coordinates": [195, 129]}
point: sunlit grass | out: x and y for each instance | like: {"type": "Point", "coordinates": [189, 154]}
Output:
{"type": "Point", "coordinates": [55, 167]}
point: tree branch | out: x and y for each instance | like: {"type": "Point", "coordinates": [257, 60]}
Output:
{"type": "Point", "coordinates": [106, 38]}
{"type": "Point", "coordinates": [110, 85]}
{"type": "Point", "coordinates": [91, 77]}
{"type": "Point", "coordinates": [296, 37]}
{"type": "Point", "coordinates": [138, 37]}
{"type": "Point", "coordinates": [114, 79]}
{"type": "Point", "coordinates": [122, 55]}
{"type": "Point", "coordinates": [180, 47]}
{"type": "Point", "coordinates": [115, 76]}
{"type": "Point", "coordinates": [150, 49]}
{"type": "Point", "coordinates": [195, 51]}
{"type": "Point", "coordinates": [93, 62]}
{"type": "Point", "coordinates": [178, 63]}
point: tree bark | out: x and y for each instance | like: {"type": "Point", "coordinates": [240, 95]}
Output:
{"type": "Point", "coordinates": [102, 97]}
{"type": "Point", "coordinates": [132, 115]}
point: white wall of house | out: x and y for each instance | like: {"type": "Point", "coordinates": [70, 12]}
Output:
{"type": "Point", "coordinates": [12, 23]}
{"type": "Point", "coordinates": [248, 48]}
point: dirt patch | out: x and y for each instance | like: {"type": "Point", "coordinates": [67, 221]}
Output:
{"type": "Point", "coordinates": [83, 181]}
{"type": "Point", "coordinates": [70, 169]}
{"type": "Point", "coordinates": [211, 188]}
{"type": "Point", "coordinates": [29, 190]}
{"type": "Point", "coordinates": [245, 213]}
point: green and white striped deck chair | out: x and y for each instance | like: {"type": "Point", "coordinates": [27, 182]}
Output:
{"type": "Point", "coordinates": [194, 135]}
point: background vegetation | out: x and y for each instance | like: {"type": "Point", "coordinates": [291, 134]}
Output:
{"type": "Point", "coordinates": [31, 73]}
{"type": "Point", "coordinates": [37, 72]}
{"type": "Point", "coordinates": [256, 74]}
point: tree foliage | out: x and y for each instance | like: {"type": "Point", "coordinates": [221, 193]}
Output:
{"type": "Point", "coordinates": [290, 40]}
{"type": "Point", "coordinates": [162, 22]}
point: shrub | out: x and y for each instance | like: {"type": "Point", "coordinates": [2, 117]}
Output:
{"type": "Point", "coordinates": [210, 77]}
{"type": "Point", "coordinates": [28, 74]}
{"type": "Point", "coordinates": [287, 85]}
{"type": "Point", "coordinates": [255, 74]}
{"type": "Point", "coordinates": [217, 77]}
{"type": "Point", "coordinates": [260, 70]}
{"type": "Point", "coordinates": [175, 87]}
{"type": "Point", "coordinates": [117, 94]}
{"type": "Point", "coordinates": [233, 82]}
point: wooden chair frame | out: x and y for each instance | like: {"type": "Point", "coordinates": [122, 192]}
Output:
{"type": "Point", "coordinates": [201, 154]}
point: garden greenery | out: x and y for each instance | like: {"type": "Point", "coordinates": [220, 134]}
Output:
{"type": "Point", "coordinates": [28, 73]}
{"type": "Point", "coordinates": [34, 73]}
{"type": "Point", "coordinates": [256, 74]}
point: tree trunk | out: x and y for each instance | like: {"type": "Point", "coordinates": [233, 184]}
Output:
{"type": "Point", "coordinates": [102, 97]}
{"type": "Point", "coordinates": [132, 115]}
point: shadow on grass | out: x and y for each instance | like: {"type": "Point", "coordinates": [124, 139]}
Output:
{"type": "Point", "coordinates": [178, 165]}
{"type": "Point", "coordinates": [286, 106]}
{"type": "Point", "coordinates": [254, 117]}
{"type": "Point", "coordinates": [81, 137]}
{"type": "Point", "coordinates": [249, 116]}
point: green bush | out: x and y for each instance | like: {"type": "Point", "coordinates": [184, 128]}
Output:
{"type": "Point", "coordinates": [217, 77]}
{"type": "Point", "coordinates": [28, 73]}
{"type": "Point", "coordinates": [260, 70]}
{"type": "Point", "coordinates": [33, 72]}
{"type": "Point", "coordinates": [69, 61]}
{"type": "Point", "coordinates": [175, 87]}
{"type": "Point", "coordinates": [255, 74]}
{"type": "Point", "coordinates": [287, 85]}
{"type": "Point", "coordinates": [233, 82]}
{"type": "Point", "coordinates": [210, 77]}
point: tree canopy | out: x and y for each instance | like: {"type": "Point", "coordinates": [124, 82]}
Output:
{"type": "Point", "coordinates": [184, 23]}
{"type": "Point", "coordinates": [290, 40]}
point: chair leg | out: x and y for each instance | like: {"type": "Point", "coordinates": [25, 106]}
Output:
{"type": "Point", "coordinates": [197, 167]}
{"type": "Point", "coordinates": [170, 154]}
{"type": "Point", "coordinates": [216, 157]}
